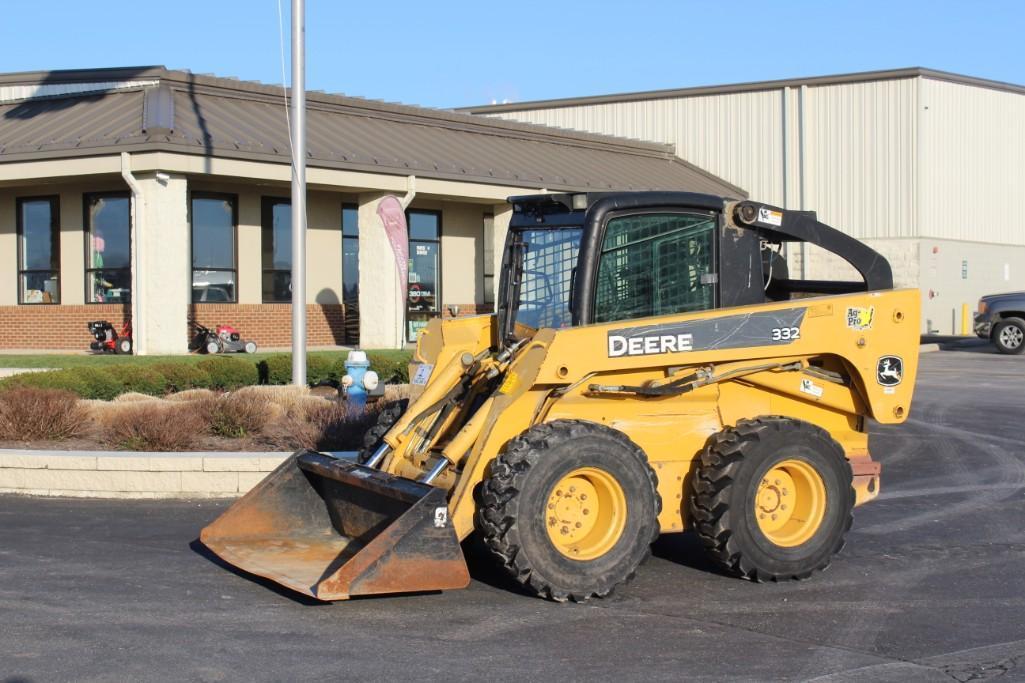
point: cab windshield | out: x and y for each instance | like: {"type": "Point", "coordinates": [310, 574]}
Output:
{"type": "Point", "coordinates": [542, 264]}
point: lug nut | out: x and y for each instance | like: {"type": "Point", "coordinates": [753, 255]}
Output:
{"type": "Point", "coordinates": [565, 530]}
{"type": "Point", "coordinates": [773, 516]}
{"type": "Point", "coordinates": [777, 482]}
{"type": "Point", "coordinates": [551, 506]}
{"type": "Point", "coordinates": [761, 516]}
{"type": "Point", "coordinates": [586, 511]}
{"type": "Point", "coordinates": [782, 507]}
{"type": "Point", "coordinates": [583, 496]}
{"type": "Point", "coordinates": [578, 525]}
{"type": "Point", "coordinates": [572, 489]}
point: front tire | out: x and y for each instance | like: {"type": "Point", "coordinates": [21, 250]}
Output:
{"type": "Point", "coordinates": [212, 347]}
{"type": "Point", "coordinates": [1009, 336]}
{"type": "Point", "coordinates": [387, 416]}
{"type": "Point", "coordinates": [123, 346]}
{"type": "Point", "coordinates": [570, 509]}
{"type": "Point", "coordinates": [250, 347]}
{"type": "Point", "coordinates": [772, 498]}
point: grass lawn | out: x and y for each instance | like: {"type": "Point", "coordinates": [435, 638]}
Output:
{"type": "Point", "coordinates": [46, 360]}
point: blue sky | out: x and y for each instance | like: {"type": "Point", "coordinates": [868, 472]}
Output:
{"type": "Point", "coordinates": [456, 53]}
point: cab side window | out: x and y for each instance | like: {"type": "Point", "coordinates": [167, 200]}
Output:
{"type": "Point", "coordinates": [656, 264]}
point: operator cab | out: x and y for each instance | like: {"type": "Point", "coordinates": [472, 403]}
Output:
{"type": "Point", "coordinates": [578, 259]}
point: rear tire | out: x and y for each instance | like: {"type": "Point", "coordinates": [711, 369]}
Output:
{"type": "Point", "coordinates": [389, 415]}
{"type": "Point", "coordinates": [1009, 336]}
{"type": "Point", "coordinates": [748, 477]}
{"type": "Point", "coordinates": [123, 346]}
{"type": "Point", "coordinates": [212, 347]}
{"type": "Point", "coordinates": [570, 509]}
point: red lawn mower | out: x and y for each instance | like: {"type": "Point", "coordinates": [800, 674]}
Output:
{"type": "Point", "coordinates": [224, 339]}
{"type": "Point", "coordinates": [108, 339]}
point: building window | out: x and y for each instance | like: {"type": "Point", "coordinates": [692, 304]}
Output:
{"type": "Point", "coordinates": [489, 258]}
{"type": "Point", "coordinates": [350, 271]}
{"type": "Point", "coordinates": [108, 271]}
{"type": "Point", "coordinates": [39, 251]}
{"type": "Point", "coordinates": [277, 250]}
{"type": "Point", "coordinates": [423, 292]}
{"type": "Point", "coordinates": [214, 223]}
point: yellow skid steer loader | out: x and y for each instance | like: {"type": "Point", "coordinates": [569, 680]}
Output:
{"type": "Point", "coordinates": [652, 367]}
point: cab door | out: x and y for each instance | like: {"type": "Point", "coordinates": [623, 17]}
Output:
{"type": "Point", "coordinates": [656, 262]}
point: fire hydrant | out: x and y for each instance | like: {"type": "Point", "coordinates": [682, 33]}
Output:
{"type": "Point", "coordinates": [359, 380]}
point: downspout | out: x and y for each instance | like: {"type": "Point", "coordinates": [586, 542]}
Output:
{"type": "Point", "coordinates": [405, 202]}
{"type": "Point", "coordinates": [138, 340]}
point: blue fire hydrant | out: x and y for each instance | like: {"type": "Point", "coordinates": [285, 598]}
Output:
{"type": "Point", "coordinates": [359, 380]}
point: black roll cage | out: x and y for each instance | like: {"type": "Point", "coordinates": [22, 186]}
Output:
{"type": "Point", "coordinates": [592, 211]}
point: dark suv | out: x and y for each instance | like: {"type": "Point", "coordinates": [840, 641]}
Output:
{"type": "Point", "coordinates": [1001, 318]}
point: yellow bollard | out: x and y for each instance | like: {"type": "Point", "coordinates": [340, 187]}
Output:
{"type": "Point", "coordinates": [966, 328]}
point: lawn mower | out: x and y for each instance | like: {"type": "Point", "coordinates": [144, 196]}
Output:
{"type": "Point", "coordinates": [223, 339]}
{"type": "Point", "coordinates": [108, 339]}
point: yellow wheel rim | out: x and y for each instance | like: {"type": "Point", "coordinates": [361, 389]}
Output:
{"type": "Point", "coordinates": [790, 503]}
{"type": "Point", "coordinates": [585, 513]}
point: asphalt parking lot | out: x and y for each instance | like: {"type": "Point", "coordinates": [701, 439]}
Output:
{"type": "Point", "coordinates": [931, 586]}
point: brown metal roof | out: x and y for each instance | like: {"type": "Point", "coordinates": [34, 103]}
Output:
{"type": "Point", "coordinates": [860, 77]}
{"type": "Point", "coordinates": [221, 117]}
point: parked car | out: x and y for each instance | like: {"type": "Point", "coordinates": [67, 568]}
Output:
{"type": "Point", "coordinates": [1001, 319]}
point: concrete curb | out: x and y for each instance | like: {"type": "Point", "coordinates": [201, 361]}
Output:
{"type": "Point", "coordinates": [128, 474]}
{"type": "Point", "coordinates": [928, 348]}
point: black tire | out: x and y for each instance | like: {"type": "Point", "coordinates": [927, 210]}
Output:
{"type": "Point", "coordinates": [727, 479]}
{"type": "Point", "coordinates": [1009, 336]}
{"type": "Point", "coordinates": [123, 346]}
{"type": "Point", "coordinates": [511, 513]}
{"type": "Point", "coordinates": [388, 416]}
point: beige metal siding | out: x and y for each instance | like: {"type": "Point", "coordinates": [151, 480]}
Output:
{"type": "Point", "coordinates": [859, 153]}
{"type": "Point", "coordinates": [733, 136]}
{"type": "Point", "coordinates": [859, 145]}
{"type": "Point", "coordinates": [973, 163]}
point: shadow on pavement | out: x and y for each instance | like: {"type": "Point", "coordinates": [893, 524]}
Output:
{"type": "Point", "coordinates": [961, 344]}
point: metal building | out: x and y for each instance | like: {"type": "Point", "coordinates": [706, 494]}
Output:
{"type": "Point", "coordinates": [925, 166]}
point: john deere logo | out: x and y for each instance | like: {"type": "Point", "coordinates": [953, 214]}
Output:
{"type": "Point", "coordinates": [890, 371]}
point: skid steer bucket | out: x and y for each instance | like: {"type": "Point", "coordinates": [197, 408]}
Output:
{"type": "Point", "coordinates": [333, 529]}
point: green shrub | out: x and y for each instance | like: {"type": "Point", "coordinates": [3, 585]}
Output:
{"type": "Point", "coordinates": [391, 366]}
{"type": "Point", "coordinates": [99, 383]}
{"type": "Point", "coordinates": [277, 369]}
{"type": "Point", "coordinates": [318, 369]}
{"type": "Point", "coordinates": [183, 376]}
{"type": "Point", "coordinates": [140, 379]}
{"type": "Point", "coordinates": [229, 373]}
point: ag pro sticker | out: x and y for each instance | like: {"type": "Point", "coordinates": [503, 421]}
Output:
{"type": "Point", "coordinates": [860, 318]}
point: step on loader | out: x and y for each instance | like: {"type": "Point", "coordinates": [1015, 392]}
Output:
{"type": "Point", "coordinates": [653, 367]}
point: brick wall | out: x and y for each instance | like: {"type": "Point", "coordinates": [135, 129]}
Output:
{"type": "Point", "coordinates": [468, 309]}
{"type": "Point", "coordinates": [56, 327]}
{"type": "Point", "coordinates": [63, 328]}
{"type": "Point", "coordinates": [271, 324]}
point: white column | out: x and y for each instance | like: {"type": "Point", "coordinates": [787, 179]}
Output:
{"type": "Point", "coordinates": [381, 314]}
{"type": "Point", "coordinates": [503, 214]}
{"type": "Point", "coordinates": [162, 280]}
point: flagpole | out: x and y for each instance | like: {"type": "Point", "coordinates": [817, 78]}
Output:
{"type": "Point", "coordinates": [299, 192]}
